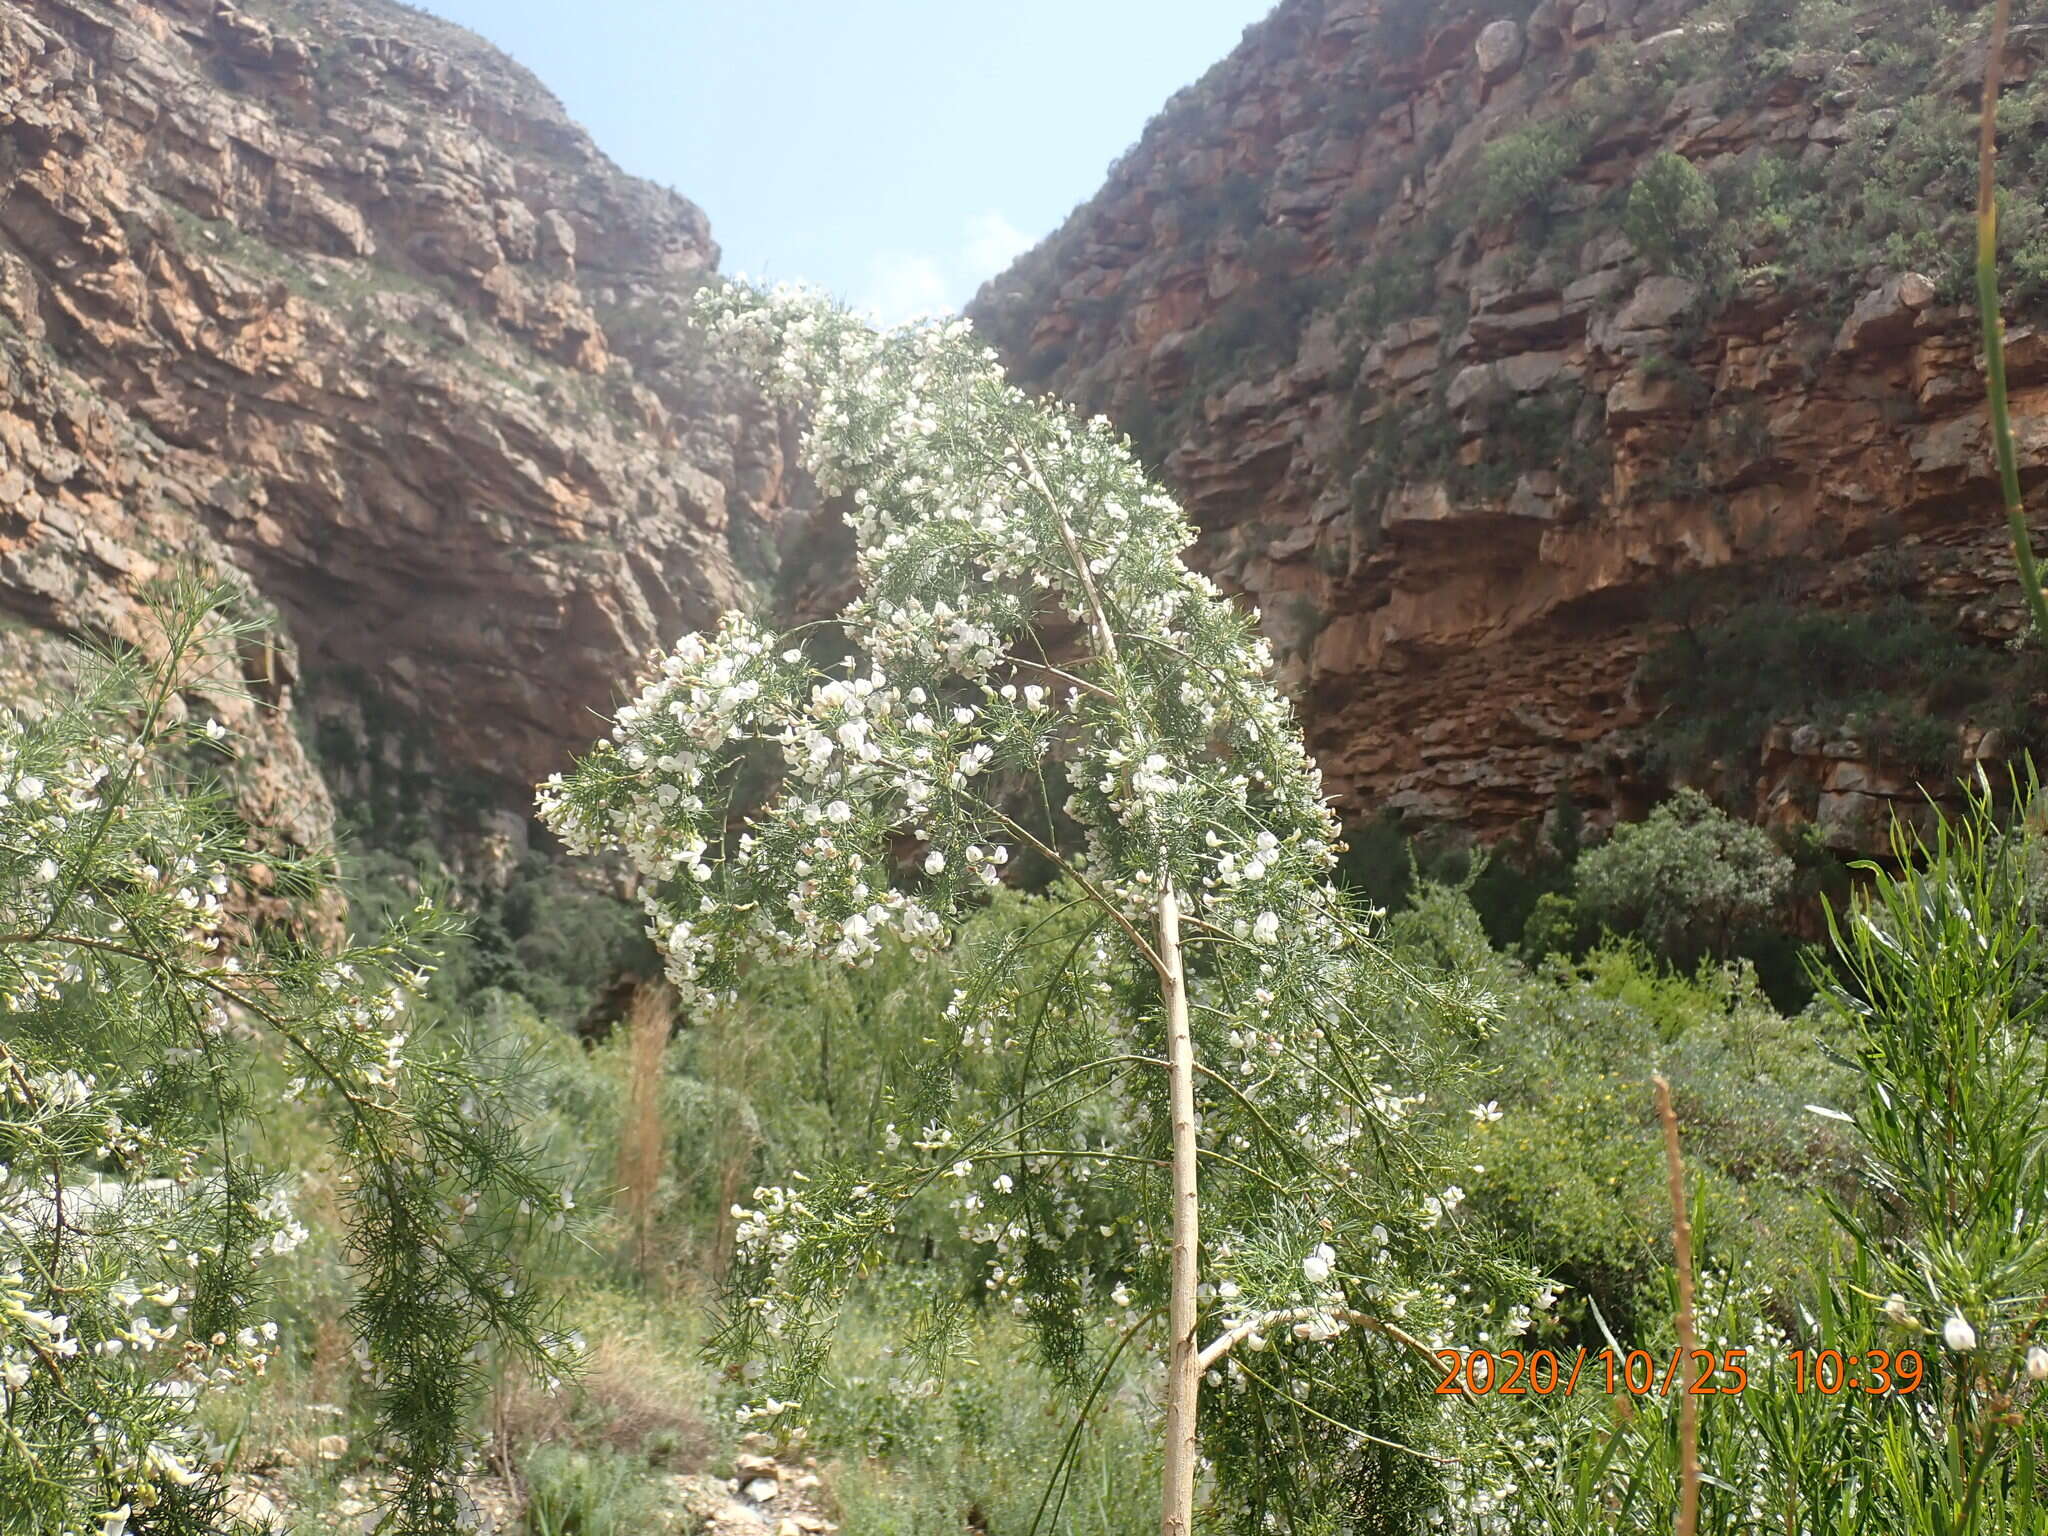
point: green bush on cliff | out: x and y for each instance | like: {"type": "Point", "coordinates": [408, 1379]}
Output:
{"type": "Point", "coordinates": [1671, 209]}
{"type": "Point", "coordinates": [1520, 172]}
{"type": "Point", "coordinates": [1890, 676]}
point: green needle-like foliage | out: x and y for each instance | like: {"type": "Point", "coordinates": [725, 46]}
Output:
{"type": "Point", "coordinates": [137, 1217]}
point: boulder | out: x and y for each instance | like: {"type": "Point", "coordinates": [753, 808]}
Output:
{"type": "Point", "coordinates": [1499, 49]}
{"type": "Point", "coordinates": [1888, 316]}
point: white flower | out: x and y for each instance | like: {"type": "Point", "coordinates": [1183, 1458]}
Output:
{"type": "Point", "coordinates": [1895, 1309]}
{"type": "Point", "coordinates": [1958, 1334]}
{"type": "Point", "coordinates": [1486, 1113]}
{"type": "Point", "coordinates": [1265, 928]}
{"type": "Point", "coordinates": [1317, 1266]}
{"type": "Point", "coordinates": [46, 872]}
{"type": "Point", "coordinates": [839, 811]}
{"type": "Point", "coordinates": [2037, 1364]}
{"type": "Point", "coordinates": [1121, 1295]}
{"type": "Point", "coordinates": [934, 862]}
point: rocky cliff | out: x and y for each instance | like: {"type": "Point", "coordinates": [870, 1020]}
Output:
{"type": "Point", "coordinates": [1583, 392]}
{"type": "Point", "coordinates": [333, 298]}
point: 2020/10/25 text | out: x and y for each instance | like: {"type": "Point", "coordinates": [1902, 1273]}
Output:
{"type": "Point", "coordinates": [1638, 1373]}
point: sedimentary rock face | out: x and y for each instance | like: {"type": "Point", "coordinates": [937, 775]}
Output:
{"type": "Point", "coordinates": [335, 295]}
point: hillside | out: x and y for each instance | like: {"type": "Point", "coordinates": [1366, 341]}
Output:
{"type": "Point", "coordinates": [1584, 393]}
{"type": "Point", "coordinates": [334, 295]}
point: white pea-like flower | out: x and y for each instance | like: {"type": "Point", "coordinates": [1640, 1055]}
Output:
{"type": "Point", "coordinates": [934, 863]}
{"type": "Point", "coordinates": [1266, 928]}
{"type": "Point", "coordinates": [1318, 1265]}
{"type": "Point", "coordinates": [2037, 1364]}
{"type": "Point", "coordinates": [1958, 1334]}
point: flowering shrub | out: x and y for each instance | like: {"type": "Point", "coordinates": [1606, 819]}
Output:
{"type": "Point", "coordinates": [1197, 996]}
{"type": "Point", "coordinates": [136, 1225]}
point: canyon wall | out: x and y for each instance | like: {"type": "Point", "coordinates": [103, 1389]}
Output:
{"type": "Point", "coordinates": [1502, 352]}
{"type": "Point", "coordinates": [332, 299]}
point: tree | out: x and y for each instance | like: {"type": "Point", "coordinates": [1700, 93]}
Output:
{"type": "Point", "coordinates": [1196, 1032]}
{"type": "Point", "coordinates": [136, 1229]}
{"type": "Point", "coordinates": [1690, 878]}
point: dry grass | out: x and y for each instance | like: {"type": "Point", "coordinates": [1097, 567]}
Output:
{"type": "Point", "coordinates": [642, 1136]}
{"type": "Point", "coordinates": [636, 1396]}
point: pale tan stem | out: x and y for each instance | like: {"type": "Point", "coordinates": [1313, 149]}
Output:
{"type": "Point", "coordinates": [1688, 1518]}
{"type": "Point", "coordinates": [1183, 1360]}
{"type": "Point", "coordinates": [1183, 1364]}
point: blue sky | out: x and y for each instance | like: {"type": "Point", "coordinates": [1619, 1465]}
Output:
{"type": "Point", "coordinates": [897, 152]}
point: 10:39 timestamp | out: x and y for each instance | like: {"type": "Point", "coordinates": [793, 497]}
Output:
{"type": "Point", "coordinates": [1876, 1371]}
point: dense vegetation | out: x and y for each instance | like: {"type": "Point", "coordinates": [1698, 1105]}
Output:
{"type": "Point", "coordinates": [279, 1203]}
{"type": "Point", "coordinates": [1807, 1220]}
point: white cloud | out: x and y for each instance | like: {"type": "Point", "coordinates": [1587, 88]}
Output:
{"type": "Point", "coordinates": [993, 242]}
{"type": "Point", "coordinates": [903, 286]}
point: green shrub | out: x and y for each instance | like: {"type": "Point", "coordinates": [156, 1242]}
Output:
{"type": "Point", "coordinates": [1569, 1173]}
{"type": "Point", "coordinates": [1891, 675]}
{"type": "Point", "coordinates": [1521, 171]}
{"type": "Point", "coordinates": [151, 1043]}
{"type": "Point", "coordinates": [587, 1493]}
{"type": "Point", "coordinates": [1692, 880]}
{"type": "Point", "coordinates": [1671, 211]}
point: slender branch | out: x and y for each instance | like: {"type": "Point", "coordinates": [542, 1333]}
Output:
{"type": "Point", "coordinates": [1314, 1412]}
{"type": "Point", "coordinates": [1083, 1153]}
{"type": "Point", "coordinates": [1105, 634]}
{"type": "Point", "coordinates": [1061, 673]}
{"type": "Point", "coordinates": [1238, 1332]}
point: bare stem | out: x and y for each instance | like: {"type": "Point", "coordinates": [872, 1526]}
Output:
{"type": "Point", "coordinates": [1994, 331]}
{"type": "Point", "coordinates": [1225, 1342]}
{"type": "Point", "coordinates": [1688, 1519]}
{"type": "Point", "coordinates": [1183, 1360]}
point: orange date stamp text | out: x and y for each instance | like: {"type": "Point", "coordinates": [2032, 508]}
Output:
{"type": "Point", "coordinates": [1638, 1373]}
